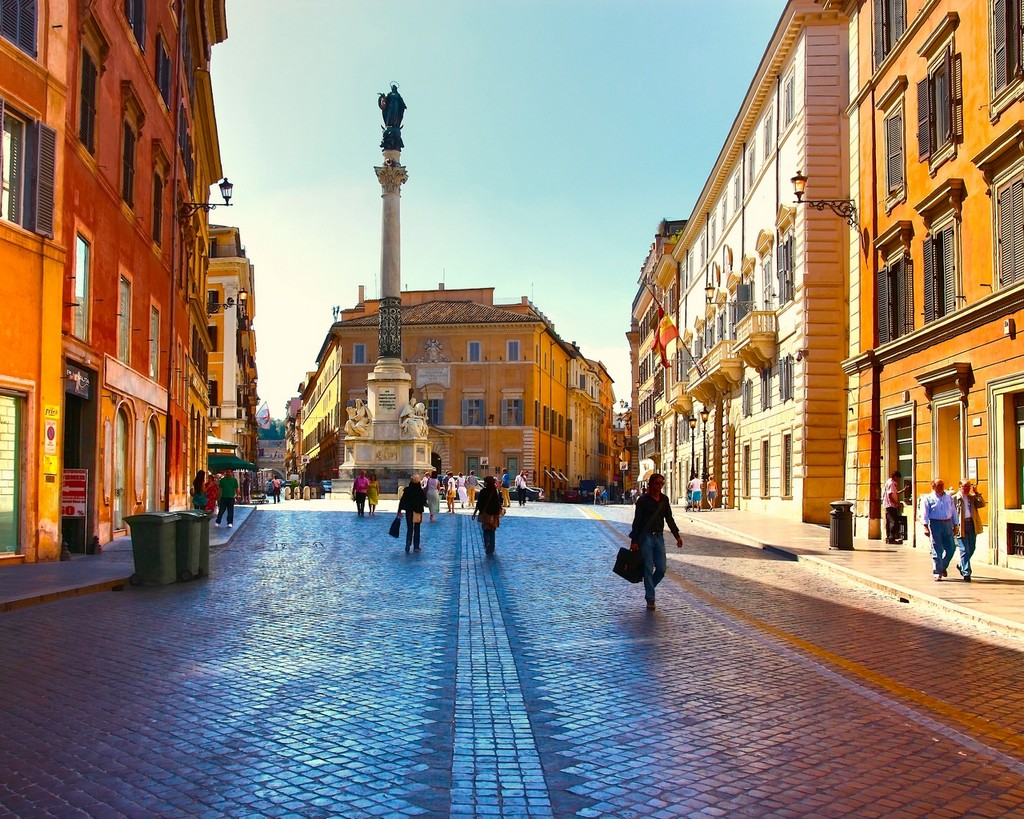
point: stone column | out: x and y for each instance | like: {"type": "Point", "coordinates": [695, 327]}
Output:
{"type": "Point", "coordinates": [391, 175]}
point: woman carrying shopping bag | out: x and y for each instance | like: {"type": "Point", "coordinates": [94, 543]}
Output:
{"type": "Point", "coordinates": [489, 509]}
{"type": "Point", "coordinates": [412, 503]}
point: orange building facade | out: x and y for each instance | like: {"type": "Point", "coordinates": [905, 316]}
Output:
{"type": "Point", "coordinates": [33, 82]}
{"type": "Point", "coordinates": [936, 365]}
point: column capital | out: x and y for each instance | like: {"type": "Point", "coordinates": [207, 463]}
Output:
{"type": "Point", "coordinates": [391, 176]}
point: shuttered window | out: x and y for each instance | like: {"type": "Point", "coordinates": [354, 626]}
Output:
{"type": "Point", "coordinates": [135, 13]}
{"type": "Point", "coordinates": [473, 412]}
{"type": "Point", "coordinates": [786, 379]}
{"type": "Point", "coordinates": [748, 398]}
{"type": "Point", "coordinates": [1010, 231]}
{"type": "Point", "coordinates": [766, 388]}
{"type": "Point", "coordinates": [939, 274]}
{"type": "Point", "coordinates": [163, 71]}
{"type": "Point", "coordinates": [87, 104]}
{"type": "Point", "coordinates": [894, 153]}
{"type": "Point", "coordinates": [435, 411]}
{"type": "Point", "coordinates": [128, 165]}
{"type": "Point", "coordinates": [785, 273]}
{"type": "Point", "coordinates": [1006, 43]}
{"type": "Point", "coordinates": [890, 21]}
{"type": "Point", "coordinates": [940, 106]}
{"type": "Point", "coordinates": [158, 209]}
{"type": "Point", "coordinates": [28, 166]}
{"type": "Point", "coordinates": [18, 23]}
{"type": "Point", "coordinates": [895, 294]}
{"type": "Point", "coordinates": [512, 412]}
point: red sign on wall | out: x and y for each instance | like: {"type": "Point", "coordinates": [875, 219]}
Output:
{"type": "Point", "coordinates": [73, 493]}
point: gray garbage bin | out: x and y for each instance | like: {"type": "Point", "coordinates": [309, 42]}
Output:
{"type": "Point", "coordinates": [187, 538]}
{"type": "Point", "coordinates": [840, 531]}
{"type": "Point", "coordinates": [202, 526]}
{"type": "Point", "coordinates": [153, 547]}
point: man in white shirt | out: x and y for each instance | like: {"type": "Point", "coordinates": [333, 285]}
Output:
{"type": "Point", "coordinates": [939, 515]}
{"type": "Point", "coordinates": [696, 493]}
{"type": "Point", "coordinates": [521, 488]}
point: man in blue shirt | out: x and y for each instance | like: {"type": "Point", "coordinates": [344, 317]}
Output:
{"type": "Point", "coordinates": [938, 513]}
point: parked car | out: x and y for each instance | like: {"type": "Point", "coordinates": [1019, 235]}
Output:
{"type": "Point", "coordinates": [576, 495]}
{"type": "Point", "coordinates": [326, 486]}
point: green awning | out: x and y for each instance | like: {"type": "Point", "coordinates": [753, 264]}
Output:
{"type": "Point", "coordinates": [218, 462]}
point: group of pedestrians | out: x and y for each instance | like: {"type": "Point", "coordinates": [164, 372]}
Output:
{"type": "Point", "coordinates": [698, 491]}
{"type": "Point", "coordinates": [211, 493]}
{"type": "Point", "coordinates": [366, 492]}
{"type": "Point", "coordinates": [417, 499]}
{"type": "Point", "coordinates": [952, 523]}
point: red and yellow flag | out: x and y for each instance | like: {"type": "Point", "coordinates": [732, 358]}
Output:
{"type": "Point", "coordinates": [664, 333]}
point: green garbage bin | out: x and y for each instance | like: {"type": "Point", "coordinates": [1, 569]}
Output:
{"type": "Point", "coordinates": [202, 524]}
{"type": "Point", "coordinates": [153, 547]}
{"type": "Point", "coordinates": [187, 543]}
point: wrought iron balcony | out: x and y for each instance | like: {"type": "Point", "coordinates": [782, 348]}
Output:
{"type": "Point", "coordinates": [757, 339]}
{"type": "Point", "coordinates": [717, 372]}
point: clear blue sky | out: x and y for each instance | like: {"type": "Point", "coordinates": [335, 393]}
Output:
{"type": "Point", "coordinates": [544, 139]}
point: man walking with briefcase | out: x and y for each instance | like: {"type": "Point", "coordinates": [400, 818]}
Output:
{"type": "Point", "coordinates": [648, 534]}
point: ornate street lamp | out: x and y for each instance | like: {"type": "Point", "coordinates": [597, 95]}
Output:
{"type": "Point", "coordinates": [843, 208]}
{"type": "Point", "coordinates": [213, 306]}
{"type": "Point", "coordinates": [693, 457]}
{"type": "Point", "coordinates": [704, 418]}
{"type": "Point", "coordinates": [189, 208]}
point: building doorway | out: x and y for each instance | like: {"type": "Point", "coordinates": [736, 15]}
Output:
{"type": "Point", "coordinates": [80, 453]}
{"type": "Point", "coordinates": [11, 418]}
{"type": "Point", "coordinates": [120, 468]}
{"type": "Point", "coordinates": [947, 444]}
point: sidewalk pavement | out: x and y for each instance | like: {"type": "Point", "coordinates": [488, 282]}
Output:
{"type": "Point", "coordinates": [27, 584]}
{"type": "Point", "coordinates": [995, 595]}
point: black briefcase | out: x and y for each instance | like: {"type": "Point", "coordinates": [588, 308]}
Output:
{"type": "Point", "coordinates": [629, 565]}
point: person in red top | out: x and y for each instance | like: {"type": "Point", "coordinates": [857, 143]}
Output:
{"type": "Point", "coordinates": [359, 487]}
{"type": "Point", "coordinates": [648, 534]}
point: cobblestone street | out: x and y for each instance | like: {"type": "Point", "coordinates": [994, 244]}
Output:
{"type": "Point", "coordinates": [323, 671]}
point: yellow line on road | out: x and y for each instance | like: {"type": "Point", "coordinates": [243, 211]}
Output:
{"type": "Point", "coordinates": [973, 724]}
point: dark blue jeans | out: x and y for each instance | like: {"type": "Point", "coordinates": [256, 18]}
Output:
{"type": "Point", "coordinates": [412, 530]}
{"type": "Point", "coordinates": [652, 550]}
{"type": "Point", "coordinates": [226, 505]}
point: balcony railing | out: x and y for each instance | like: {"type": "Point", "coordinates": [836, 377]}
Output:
{"type": "Point", "coordinates": [680, 399]}
{"type": "Point", "coordinates": [716, 372]}
{"type": "Point", "coordinates": [757, 338]}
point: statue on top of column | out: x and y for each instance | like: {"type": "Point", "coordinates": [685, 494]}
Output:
{"type": "Point", "coordinates": [392, 108]}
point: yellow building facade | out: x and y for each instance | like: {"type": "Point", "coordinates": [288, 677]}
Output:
{"type": "Point", "coordinates": [230, 310]}
{"type": "Point", "coordinates": [496, 380]}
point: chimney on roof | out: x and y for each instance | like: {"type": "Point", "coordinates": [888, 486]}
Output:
{"type": "Point", "coordinates": [524, 300]}
{"type": "Point", "coordinates": [362, 292]}
{"type": "Point", "coordinates": [440, 285]}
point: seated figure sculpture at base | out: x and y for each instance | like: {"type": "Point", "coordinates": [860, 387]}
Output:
{"type": "Point", "coordinates": [414, 420]}
{"type": "Point", "coordinates": [359, 420]}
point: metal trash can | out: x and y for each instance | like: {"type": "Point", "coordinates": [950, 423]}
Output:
{"type": "Point", "coordinates": [187, 545]}
{"type": "Point", "coordinates": [153, 547]}
{"type": "Point", "coordinates": [202, 525]}
{"type": "Point", "coordinates": [840, 530]}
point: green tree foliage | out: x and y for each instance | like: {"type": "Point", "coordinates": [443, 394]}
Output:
{"type": "Point", "coordinates": [275, 433]}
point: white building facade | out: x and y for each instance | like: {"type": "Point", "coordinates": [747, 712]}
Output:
{"type": "Point", "coordinates": [755, 395]}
